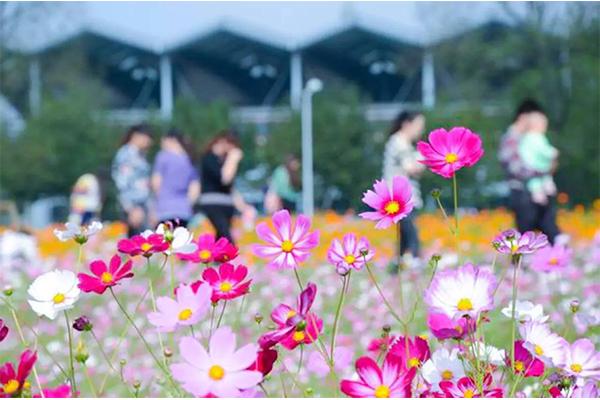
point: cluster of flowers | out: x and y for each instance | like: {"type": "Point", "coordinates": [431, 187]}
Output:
{"type": "Point", "coordinates": [458, 300]}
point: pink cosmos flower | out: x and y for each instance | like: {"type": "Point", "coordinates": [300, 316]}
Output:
{"type": "Point", "coordinates": [466, 291]}
{"type": "Point", "coordinates": [525, 363]}
{"type": "Point", "coordinates": [448, 151]}
{"type": "Point", "coordinates": [59, 392]}
{"type": "Point", "coordinates": [104, 277]}
{"type": "Point", "coordinates": [289, 245]}
{"type": "Point", "coordinates": [350, 253]}
{"type": "Point", "coordinates": [294, 326]}
{"type": "Point", "coordinates": [513, 242]}
{"type": "Point", "coordinates": [144, 245]}
{"type": "Point", "coordinates": [552, 258]}
{"type": "Point", "coordinates": [411, 352]}
{"type": "Point", "coordinates": [543, 343]}
{"type": "Point", "coordinates": [265, 359]}
{"type": "Point", "coordinates": [221, 371]}
{"type": "Point", "coordinates": [466, 388]}
{"type": "Point", "coordinates": [211, 250]}
{"type": "Point", "coordinates": [3, 330]}
{"type": "Point", "coordinates": [391, 204]}
{"type": "Point", "coordinates": [342, 357]}
{"type": "Point", "coordinates": [11, 382]}
{"type": "Point", "coordinates": [392, 380]}
{"type": "Point", "coordinates": [381, 345]}
{"type": "Point", "coordinates": [187, 309]}
{"type": "Point", "coordinates": [444, 327]}
{"type": "Point", "coordinates": [227, 282]}
{"type": "Point", "coordinates": [582, 360]}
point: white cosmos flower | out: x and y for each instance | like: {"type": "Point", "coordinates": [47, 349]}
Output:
{"type": "Point", "coordinates": [53, 292]}
{"type": "Point", "coordinates": [77, 232]}
{"type": "Point", "coordinates": [443, 365]}
{"type": "Point", "coordinates": [489, 353]}
{"type": "Point", "coordinates": [181, 239]}
{"type": "Point", "coordinates": [543, 343]}
{"type": "Point", "coordinates": [526, 311]}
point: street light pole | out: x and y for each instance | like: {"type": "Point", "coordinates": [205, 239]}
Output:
{"type": "Point", "coordinates": [308, 200]}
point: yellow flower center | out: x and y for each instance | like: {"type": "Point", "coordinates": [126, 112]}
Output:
{"type": "Point", "coordinates": [146, 247]}
{"type": "Point", "coordinates": [225, 286]}
{"type": "Point", "coordinates": [468, 394]}
{"type": "Point", "coordinates": [350, 259]}
{"type": "Point", "coordinates": [519, 367]}
{"type": "Point", "coordinates": [577, 368]}
{"type": "Point", "coordinates": [58, 298]}
{"type": "Point", "coordinates": [11, 386]}
{"type": "Point", "coordinates": [447, 375]}
{"type": "Point", "coordinates": [106, 277]}
{"type": "Point", "coordinates": [514, 247]}
{"type": "Point", "coordinates": [290, 314]}
{"type": "Point", "coordinates": [287, 246]}
{"type": "Point", "coordinates": [538, 350]}
{"type": "Point", "coordinates": [205, 254]}
{"type": "Point", "coordinates": [185, 314]}
{"type": "Point", "coordinates": [299, 336]}
{"type": "Point", "coordinates": [451, 158]}
{"type": "Point", "coordinates": [414, 362]}
{"type": "Point", "coordinates": [392, 207]}
{"type": "Point", "coordinates": [553, 261]}
{"type": "Point", "coordinates": [382, 392]}
{"type": "Point", "coordinates": [216, 372]}
{"type": "Point", "coordinates": [464, 304]}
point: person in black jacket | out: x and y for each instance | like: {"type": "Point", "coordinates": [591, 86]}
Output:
{"type": "Point", "coordinates": [218, 169]}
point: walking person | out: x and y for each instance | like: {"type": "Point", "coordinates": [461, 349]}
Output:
{"type": "Point", "coordinates": [218, 169]}
{"type": "Point", "coordinates": [86, 200]}
{"type": "Point", "coordinates": [131, 174]}
{"type": "Point", "coordinates": [529, 214]}
{"type": "Point", "coordinates": [285, 186]}
{"type": "Point", "coordinates": [401, 159]}
{"type": "Point", "coordinates": [174, 181]}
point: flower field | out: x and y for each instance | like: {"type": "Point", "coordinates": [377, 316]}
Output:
{"type": "Point", "coordinates": [310, 307]}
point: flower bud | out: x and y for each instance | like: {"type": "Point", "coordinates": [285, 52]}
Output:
{"type": "Point", "coordinates": [364, 252]}
{"type": "Point", "coordinates": [436, 193]}
{"type": "Point", "coordinates": [122, 362]}
{"type": "Point", "coordinates": [82, 324]}
{"type": "Point", "coordinates": [167, 352]}
{"type": "Point", "coordinates": [301, 326]}
{"type": "Point", "coordinates": [258, 318]}
{"type": "Point", "coordinates": [574, 305]}
{"type": "Point", "coordinates": [8, 291]}
{"type": "Point", "coordinates": [81, 353]}
{"type": "Point", "coordinates": [308, 391]}
{"type": "Point", "coordinates": [137, 384]}
{"type": "Point", "coordinates": [80, 239]}
{"type": "Point", "coordinates": [436, 258]}
{"type": "Point", "coordinates": [386, 328]}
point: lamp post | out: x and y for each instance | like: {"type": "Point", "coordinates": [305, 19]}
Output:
{"type": "Point", "coordinates": [308, 199]}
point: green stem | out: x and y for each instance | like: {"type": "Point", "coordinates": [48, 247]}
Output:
{"type": "Point", "coordinates": [90, 382]}
{"type": "Point", "coordinates": [71, 364]}
{"type": "Point", "coordinates": [516, 266]}
{"type": "Point", "coordinates": [398, 241]}
{"type": "Point", "coordinates": [338, 312]}
{"type": "Point", "coordinates": [298, 279]}
{"type": "Point", "coordinates": [385, 300]}
{"type": "Point", "coordinates": [79, 258]}
{"type": "Point", "coordinates": [221, 315]}
{"type": "Point", "coordinates": [455, 189]}
{"type": "Point", "coordinates": [445, 214]}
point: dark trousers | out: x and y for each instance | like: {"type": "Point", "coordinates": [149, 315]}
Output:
{"type": "Point", "coordinates": [531, 216]}
{"type": "Point", "coordinates": [220, 217]}
{"type": "Point", "coordinates": [409, 236]}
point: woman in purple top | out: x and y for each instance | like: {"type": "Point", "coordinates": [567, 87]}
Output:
{"type": "Point", "coordinates": [174, 181]}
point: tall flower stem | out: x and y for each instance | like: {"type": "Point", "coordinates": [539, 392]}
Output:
{"type": "Point", "coordinates": [141, 336]}
{"type": "Point", "coordinates": [398, 241]}
{"type": "Point", "coordinates": [298, 278]}
{"type": "Point", "coordinates": [385, 300]}
{"type": "Point", "coordinates": [516, 260]}
{"type": "Point", "coordinates": [455, 190]}
{"type": "Point", "coordinates": [221, 314]}
{"type": "Point", "coordinates": [71, 364]}
{"type": "Point", "coordinates": [79, 257]}
{"type": "Point", "coordinates": [444, 213]}
{"type": "Point", "coordinates": [338, 312]}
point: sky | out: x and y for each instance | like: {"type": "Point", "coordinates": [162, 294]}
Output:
{"type": "Point", "coordinates": [160, 25]}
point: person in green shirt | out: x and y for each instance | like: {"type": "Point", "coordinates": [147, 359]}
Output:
{"type": "Point", "coordinates": [285, 186]}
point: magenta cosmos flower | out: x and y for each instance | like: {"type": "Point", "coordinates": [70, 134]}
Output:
{"type": "Point", "coordinates": [444, 327]}
{"type": "Point", "coordinates": [219, 372]}
{"type": "Point", "coordinates": [11, 381]}
{"type": "Point", "coordinates": [290, 244]}
{"type": "Point", "coordinates": [3, 330]}
{"type": "Point", "coordinates": [525, 363]}
{"type": "Point", "coordinates": [104, 276]}
{"type": "Point", "coordinates": [144, 245]}
{"type": "Point", "coordinates": [351, 252]}
{"type": "Point", "coordinates": [294, 326]}
{"type": "Point", "coordinates": [582, 360]}
{"type": "Point", "coordinates": [466, 388]}
{"type": "Point", "coordinates": [186, 309]}
{"type": "Point", "coordinates": [412, 352]}
{"type": "Point", "coordinates": [513, 242]}
{"type": "Point", "coordinates": [552, 258]}
{"type": "Point", "coordinates": [392, 380]}
{"type": "Point", "coordinates": [466, 291]}
{"type": "Point", "coordinates": [227, 282]}
{"type": "Point", "coordinates": [211, 250]}
{"type": "Point", "coordinates": [391, 203]}
{"type": "Point", "coordinates": [448, 151]}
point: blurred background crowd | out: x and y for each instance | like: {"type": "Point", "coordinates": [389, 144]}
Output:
{"type": "Point", "coordinates": [75, 79]}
